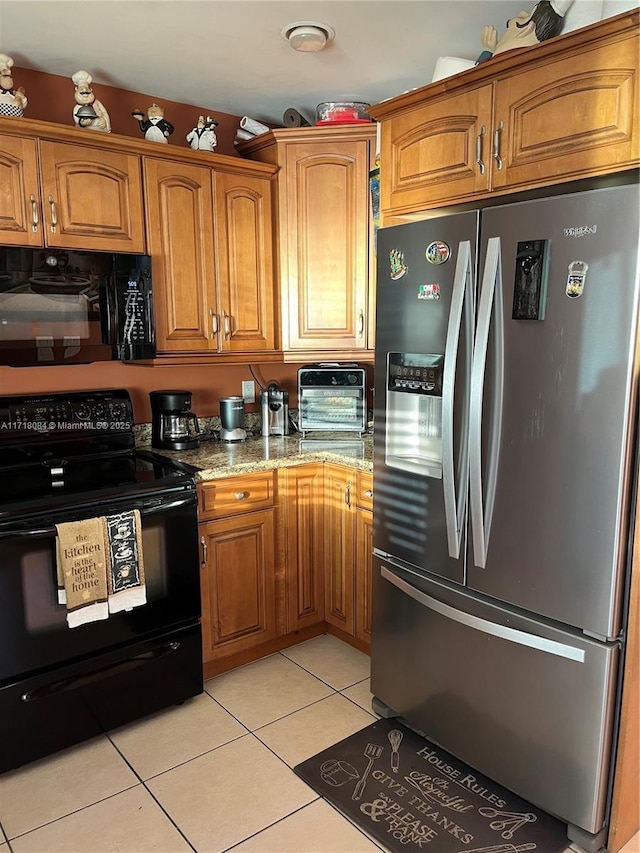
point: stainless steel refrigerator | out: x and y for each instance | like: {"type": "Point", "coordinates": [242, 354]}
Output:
{"type": "Point", "coordinates": [505, 457]}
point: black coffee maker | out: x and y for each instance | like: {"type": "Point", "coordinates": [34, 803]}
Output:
{"type": "Point", "coordinates": [173, 426]}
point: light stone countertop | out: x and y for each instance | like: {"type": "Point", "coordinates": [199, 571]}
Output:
{"type": "Point", "coordinates": [217, 459]}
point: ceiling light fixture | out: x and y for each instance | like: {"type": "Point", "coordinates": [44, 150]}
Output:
{"type": "Point", "coordinates": [307, 36]}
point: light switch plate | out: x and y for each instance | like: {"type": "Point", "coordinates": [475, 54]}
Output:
{"type": "Point", "coordinates": [249, 390]}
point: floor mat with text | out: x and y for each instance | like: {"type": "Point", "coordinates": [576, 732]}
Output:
{"type": "Point", "coordinates": [409, 795]}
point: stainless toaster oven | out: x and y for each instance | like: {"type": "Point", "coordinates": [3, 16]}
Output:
{"type": "Point", "coordinates": [332, 397]}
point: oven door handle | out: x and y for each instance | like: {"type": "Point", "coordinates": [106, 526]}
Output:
{"type": "Point", "coordinates": [74, 683]}
{"type": "Point", "coordinates": [145, 511]}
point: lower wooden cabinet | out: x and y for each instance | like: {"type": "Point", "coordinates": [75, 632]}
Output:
{"type": "Point", "coordinates": [301, 491]}
{"type": "Point", "coordinates": [348, 540]}
{"type": "Point", "coordinates": [284, 555]}
{"type": "Point", "coordinates": [238, 563]}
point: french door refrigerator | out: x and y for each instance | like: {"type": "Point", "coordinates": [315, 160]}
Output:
{"type": "Point", "coordinates": [504, 465]}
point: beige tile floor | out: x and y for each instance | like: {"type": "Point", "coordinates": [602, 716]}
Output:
{"type": "Point", "coordinates": [211, 775]}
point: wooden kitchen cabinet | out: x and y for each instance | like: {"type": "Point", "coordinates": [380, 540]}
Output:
{"type": "Point", "coordinates": [348, 551]}
{"type": "Point", "coordinates": [210, 238]}
{"type": "Point", "coordinates": [339, 547]}
{"type": "Point", "coordinates": [301, 487]}
{"type": "Point", "coordinates": [244, 248]}
{"type": "Point", "coordinates": [323, 228]}
{"type": "Point", "coordinates": [563, 110]}
{"type": "Point", "coordinates": [364, 556]}
{"type": "Point", "coordinates": [67, 195]}
{"type": "Point", "coordinates": [238, 562]}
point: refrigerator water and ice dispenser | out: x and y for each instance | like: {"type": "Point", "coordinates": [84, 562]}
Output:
{"type": "Point", "coordinates": [414, 413]}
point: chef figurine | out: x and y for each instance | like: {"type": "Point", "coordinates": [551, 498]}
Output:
{"type": "Point", "coordinates": [203, 136]}
{"type": "Point", "coordinates": [12, 101]}
{"type": "Point", "coordinates": [543, 22]}
{"type": "Point", "coordinates": [154, 127]}
{"type": "Point", "coordinates": [88, 112]}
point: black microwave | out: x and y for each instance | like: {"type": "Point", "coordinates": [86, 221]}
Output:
{"type": "Point", "coordinates": [73, 307]}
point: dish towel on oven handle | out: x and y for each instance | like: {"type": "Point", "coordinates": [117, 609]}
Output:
{"type": "Point", "coordinates": [125, 562]}
{"type": "Point", "coordinates": [81, 569]}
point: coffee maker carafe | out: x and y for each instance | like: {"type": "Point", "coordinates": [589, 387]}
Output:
{"type": "Point", "coordinates": [274, 406]}
{"type": "Point", "coordinates": [232, 419]}
{"type": "Point", "coordinates": [174, 426]}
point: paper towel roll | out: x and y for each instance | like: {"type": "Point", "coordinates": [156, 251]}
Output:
{"type": "Point", "coordinates": [243, 135]}
{"type": "Point", "coordinates": [448, 65]}
{"type": "Point", "coordinates": [253, 126]}
{"type": "Point", "coordinates": [292, 118]}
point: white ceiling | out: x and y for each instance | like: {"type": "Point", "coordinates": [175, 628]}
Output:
{"type": "Point", "coordinates": [228, 54]}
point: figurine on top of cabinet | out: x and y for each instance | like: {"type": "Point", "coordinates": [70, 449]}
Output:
{"type": "Point", "coordinates": [13, 102]}
{"type": "Point", "coordinates": [203, 136]}
{"type": "Point", "coordinates": [154, 127]}
{"type": "Point", "coordinates": [88, 111]}
{"type": "Point", "coordinates": [543, 22]}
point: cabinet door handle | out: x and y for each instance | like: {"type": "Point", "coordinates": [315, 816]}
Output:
{"type": "Point", "coordinates": [203, 542]}
{"type": "Point", "coordinates": [368, 493]}
{"type": "Point", "coordinates": [479, 159]}
{"type": "Point", "coordinates": [240, 496]}
{"type": "Point", "coordinates": [496, 144]}
{"type": "Point", "coordinates": [35, 221]}
{"type": "Point", "coordinates": [54, 217]}
{"type": "Point", "coordinates": [214, 322]}
{"type": "Point", "coordinates": [227, 325]}
{"type": "Point", "coordinates": [361, 324]}
{"type": "Point", "coordinates": [347, 494]}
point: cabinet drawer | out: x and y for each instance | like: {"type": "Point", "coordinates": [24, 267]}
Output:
{"type": "Point", "coordinates": [236, 495]}
{"type": "Point", "coordinates": [364, 490]}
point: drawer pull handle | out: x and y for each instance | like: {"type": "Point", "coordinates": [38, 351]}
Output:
{"type": "Point", "coordinates": [361, 324]}
{"type": "Point", "coordinates": [214, 322]}
{"type": "Point", "coordinates": [240, 496]}
{"type": "Point", "coordinates": [368, 493]}
{"type": "Point", "coordinates": [347, 494]}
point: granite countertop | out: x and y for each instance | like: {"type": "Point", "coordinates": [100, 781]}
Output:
{"type": "Point", "coordinates": [216, 459]}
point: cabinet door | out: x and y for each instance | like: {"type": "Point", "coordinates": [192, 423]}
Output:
{"type": "Point", "coordinates": [440, 152]}
{"type": "Point", "coordinates": [364, 569]}
{"type": "Point", "coordinates": [324, 267]}
{"type": "Point", "coordinates": [570, 117]}
{"type": "Point", "coordinates": [238, 583]}
{"type": "Point", "coordinates": [180, 235]}
{"type": "Point", "coordinates": [245, 262]}
{"type": "Point", "coordinates": [92, 198]}
{"type": "Point", "coordinates": [303, 492]}
{"type": "Point", "coordinates": [339, 547]}
{"type": "Point", "coordinates": [20, 211]}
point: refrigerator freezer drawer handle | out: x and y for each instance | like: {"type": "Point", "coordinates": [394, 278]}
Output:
{"type": "Point", "coordinates": [490, 304]}
{"type": "Point", "coordinates": [512, 635]}
{"type": "Point", "coordinates": [455, 501]}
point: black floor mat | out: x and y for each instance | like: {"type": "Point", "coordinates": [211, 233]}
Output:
{"type": "Point", "coordinates": [410, 795]}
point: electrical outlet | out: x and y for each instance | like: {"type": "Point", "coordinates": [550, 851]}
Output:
{"type": "Point", "coordinates": [249, 391]}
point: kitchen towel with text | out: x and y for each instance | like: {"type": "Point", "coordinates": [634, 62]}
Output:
{"type": "Point", "coordinates": [81, 570]}
{"type": "Point", "coordinates": [125, 563]}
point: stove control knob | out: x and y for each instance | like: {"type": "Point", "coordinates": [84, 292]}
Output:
{"type": "Point", "coordinates": [83, 412]}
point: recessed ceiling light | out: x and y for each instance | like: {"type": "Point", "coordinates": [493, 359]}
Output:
{"type": "Point", "coordinates": [307, 36]}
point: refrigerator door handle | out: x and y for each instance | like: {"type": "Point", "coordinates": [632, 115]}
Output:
{"type": "Point", "coordinates": [490, 306]}
{"type": "Point", "coordinates": [512, 635]}
{"type": "Point", "coordinates": [455, 500]}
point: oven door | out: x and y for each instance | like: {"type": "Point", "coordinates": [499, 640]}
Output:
{"type": "Point", "coordinates": [34, 634]}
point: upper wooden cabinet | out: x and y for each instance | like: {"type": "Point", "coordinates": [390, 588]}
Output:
{"type": "Point", "coordinates": [565, 109]}
{"type": "Point", "coordinates": [72, 196]}
{"type": "Point", "coordinates": [323, 227]}
{"type": "Point", "coordinates": [210, 237]}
